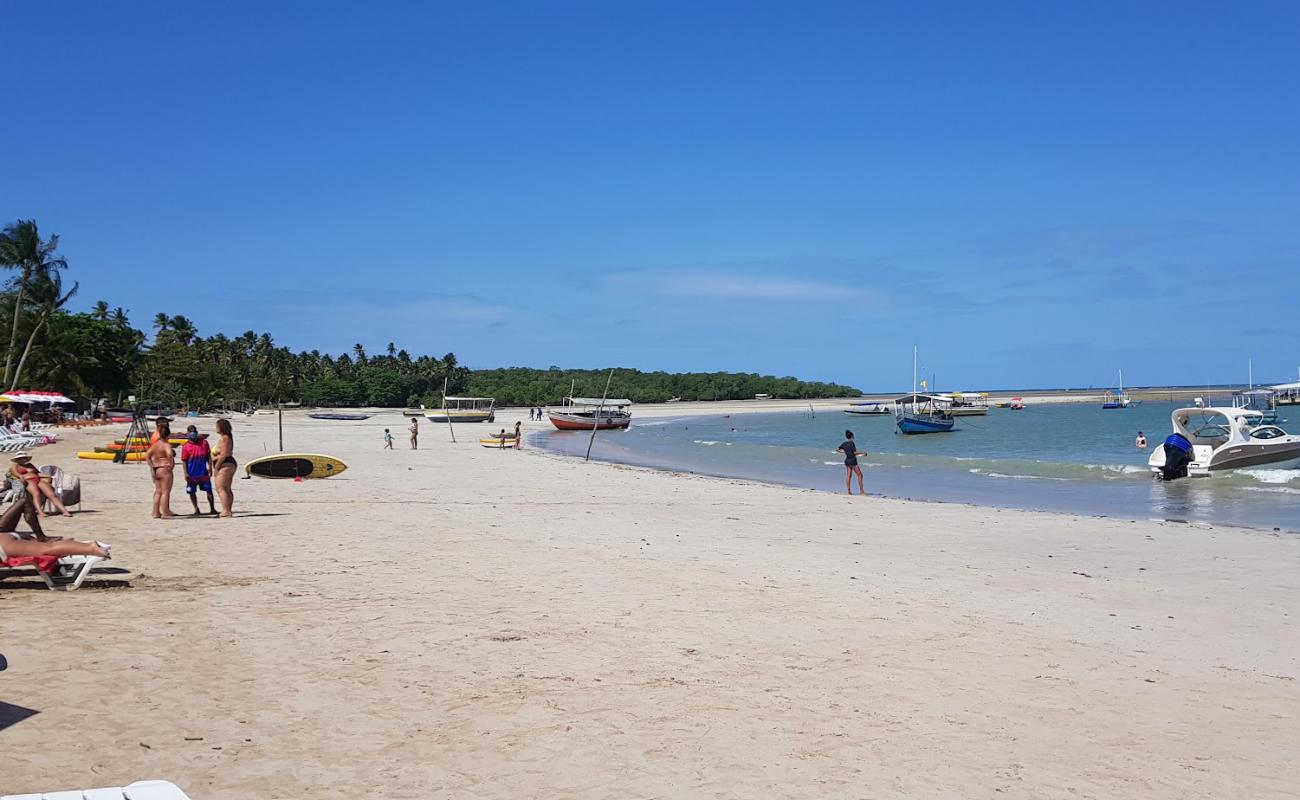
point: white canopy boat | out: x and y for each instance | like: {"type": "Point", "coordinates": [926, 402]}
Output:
{"type": "Point", "coordinates": [463, 409]}
{"type": "Point", "coordinates": [1212, 439]}
{"type": "Point", "coordinates": [585, 413]}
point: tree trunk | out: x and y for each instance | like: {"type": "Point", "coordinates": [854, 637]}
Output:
{"type": "Point", "coordinates": [13, 335]}
{"type": "Point", "coordinates": [27, 351]}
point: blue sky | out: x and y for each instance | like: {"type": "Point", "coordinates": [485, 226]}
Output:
{"type": "Point", "coordinates": [1035, 194]}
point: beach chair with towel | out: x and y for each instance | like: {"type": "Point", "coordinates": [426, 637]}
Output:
{"type": "Point", "coordinates": [60, 574]}
{"type": "Point", "coordinates": [66, 486]}
{"type": "Point", "coordinates": [140, 790]}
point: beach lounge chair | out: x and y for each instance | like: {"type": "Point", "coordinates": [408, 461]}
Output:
{"type": "Point", "coordinates": [141, 790]}
{"type": "Point", "coordinates": [60, 574]}
{"type": "Point", "coordinates": [66, 486]}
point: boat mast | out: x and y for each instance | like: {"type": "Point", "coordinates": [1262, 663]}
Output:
{"type": "Point", "coordinates": [1250, 374]}
{"type": "Point", "coordinates": [450, 430]}
{"type": "Point", "coordinates": [595, 423]}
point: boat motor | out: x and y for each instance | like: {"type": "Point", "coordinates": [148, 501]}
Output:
{"type": "Point", "coordinates": [1178, 454]}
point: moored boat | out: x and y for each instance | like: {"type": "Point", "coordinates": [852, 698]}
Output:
{"type": "Point", "coordinates": [924, 413]}
{"type": "Point", "coordinates": [463, 409]}
{"type": "Point", "coordinates": [586, 413]}
{"type": "Point", "coordinates": [969, 404]}
{"type": "Point", "coordinates": [870, 409]}
{"type": "Point", "coordinates": [1117, 398]}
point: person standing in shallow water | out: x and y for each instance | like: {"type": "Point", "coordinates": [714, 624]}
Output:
{"type": "Point", "coordinates": [1141, 441]}
{"type": "Point", "coordinates": [851, 452]}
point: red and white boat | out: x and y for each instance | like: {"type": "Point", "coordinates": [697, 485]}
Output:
{"type": "Point", "coordinates": [585, 413]}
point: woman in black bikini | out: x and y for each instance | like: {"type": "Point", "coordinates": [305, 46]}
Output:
{"type": "Point", "coordinates": [224, 457]}
{"type": "Point", "coordinates": [162, 466]}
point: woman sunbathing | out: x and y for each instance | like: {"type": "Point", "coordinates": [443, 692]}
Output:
{"type": "Point", "coordinates": [14, 545]}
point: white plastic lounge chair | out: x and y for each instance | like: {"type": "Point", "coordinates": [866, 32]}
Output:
{"type": "Point", "coordinates": [72, 570]}
{"type": "Point", "coordinates": [141, 790]}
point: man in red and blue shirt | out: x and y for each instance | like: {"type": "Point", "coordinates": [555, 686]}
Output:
{"type": "Point", "coordinates": [196, 455]}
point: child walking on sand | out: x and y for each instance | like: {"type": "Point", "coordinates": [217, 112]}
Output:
{"type": "Point", "coordinates": [388, 439]}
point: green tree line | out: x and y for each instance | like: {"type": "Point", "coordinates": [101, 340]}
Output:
{"type": "Point", "coordinates": [100, 353]}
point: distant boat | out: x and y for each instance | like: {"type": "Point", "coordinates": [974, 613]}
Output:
{"type": "Point", "coordinates": [463, 409]}
{"type": "Point", "coordinates": [923, 413]}
{"type": "Point", "coordinates": [1262, 400]}
{"type": "Point", "coordinates": [871, 409]}
{"type": "Point", "coordinates": [413, 412]}
{"type": "Point", "coordinates": [342, 417]}
{"type": "Point", "coordinates": [1117, 398]}
{"type": "Point", "coordinates": [969, 404]}
{"type": "Point", "coordinates": [586, 413]}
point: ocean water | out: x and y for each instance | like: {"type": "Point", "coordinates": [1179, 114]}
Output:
{"type": "Point", "coordinates": [1074, 458]}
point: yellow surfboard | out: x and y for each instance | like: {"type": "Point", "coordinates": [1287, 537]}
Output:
{"type": "Point", "coordinates": [500, 444]}
{"type": "Point", "coordinates": [295, 465]}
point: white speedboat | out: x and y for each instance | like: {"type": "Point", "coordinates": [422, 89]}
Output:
{"type": "Point", "coordinates": [869, 410]}
{"type": "Point", "coordinates": [1212, 439]}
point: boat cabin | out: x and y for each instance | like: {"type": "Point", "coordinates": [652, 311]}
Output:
{"type": "Point", "coordinates": [469, 403]}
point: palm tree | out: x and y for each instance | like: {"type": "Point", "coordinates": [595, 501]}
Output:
{"type": "Point", "coordinates": [120, 318]}
{"type": "Point", "coordinates": [47, 291]}
{"type": "Point", "coordinates": [21, 248]}
{"type": "Point", "coordinates": [100, 311]}
{"type": "Point", "coordinates": [162, 322]}
{"type": "Point", "coordinates": [184, 330]}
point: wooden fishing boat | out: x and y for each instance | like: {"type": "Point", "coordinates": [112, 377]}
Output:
{"type": "Point", "coordinates": [586, 413]}
{"type": "Point", "coordinates": [924, 413]}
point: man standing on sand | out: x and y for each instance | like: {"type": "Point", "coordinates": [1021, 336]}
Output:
{"type": "Point", "coordinates": [851, 468]}
{"type": "Point", "coordinates": [196, 455]}
{"type": "Point", "coordinates": [415, 433]}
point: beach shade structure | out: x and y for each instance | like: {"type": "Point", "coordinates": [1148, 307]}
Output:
{"type": "Point", "coordinates": [29, 396]}
{"type": "Point", "coordinates": [140, 790]}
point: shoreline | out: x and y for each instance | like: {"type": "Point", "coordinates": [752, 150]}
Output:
{"type": "Point", "coordinates": [538, 450]}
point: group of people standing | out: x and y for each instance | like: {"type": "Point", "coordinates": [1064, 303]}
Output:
{"type": "Point", "coordinates": [205, 467]}
{"type": "Point", "coordinates": [535, 414]}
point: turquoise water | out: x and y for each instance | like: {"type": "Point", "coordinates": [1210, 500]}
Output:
{"type": "Point", "coordinates": [1074, 458]}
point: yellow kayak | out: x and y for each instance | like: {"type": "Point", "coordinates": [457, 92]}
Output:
{"type": "Point", "coordinates": [500, 444]}
{"type": "Point", "coordinates": [110, 456]}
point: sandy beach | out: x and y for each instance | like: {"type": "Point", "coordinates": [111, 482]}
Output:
{"type": "Point", "coordinates": [464, 622]}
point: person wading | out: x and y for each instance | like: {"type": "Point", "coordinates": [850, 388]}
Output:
{"type": "Point", "coordinates": [851, 468]}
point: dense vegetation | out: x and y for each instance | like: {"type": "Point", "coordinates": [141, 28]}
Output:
{"type": "Point", "coordinates": [101, 354]}
{"type": "Point", "coordinates": [522, 386]}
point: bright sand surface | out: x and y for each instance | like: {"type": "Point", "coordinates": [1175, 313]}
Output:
{"type": "Point", "coordinates": [464, 622]}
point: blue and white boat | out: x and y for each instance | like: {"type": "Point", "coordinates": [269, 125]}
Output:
{"type": "Point", "coordinates": [924, 413]}
{"type": "Point", "coordinates": [920, 412]}
{"type": "Point", "coordinates": [1117, 399]}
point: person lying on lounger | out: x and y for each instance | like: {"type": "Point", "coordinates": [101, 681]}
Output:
{"type": "Point", "coordinates": [36, 543]}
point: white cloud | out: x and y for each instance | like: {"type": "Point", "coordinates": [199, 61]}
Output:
{"type": "Point", "coordinates": [736, 285]}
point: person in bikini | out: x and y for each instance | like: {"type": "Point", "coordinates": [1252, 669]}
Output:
{"type": "Point", "coordinates": [36, 543]}
{"type": "Point", "coordinates": [224, 472]}
{"type": "Point", "coordinates": [161, 459]}
{"type": "Point", "coordinates": [38, 485]}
